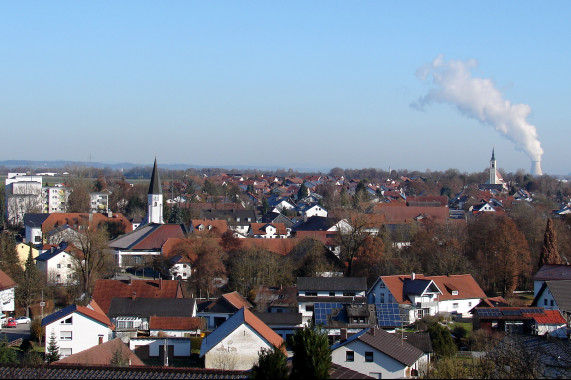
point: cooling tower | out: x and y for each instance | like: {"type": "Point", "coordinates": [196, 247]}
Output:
{"type": "Point", "coordinates": [536, 168]}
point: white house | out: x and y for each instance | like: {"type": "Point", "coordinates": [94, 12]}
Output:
{"type": "Point", "coordinates": [419, 296]}
{"type": "Point", "coordinates": [268, 231]}
{"type": "Point", "coordinates": [77, 328]}
{"type": "Point", "coordinates": [554, 295]}
{"type": "Point", "coordinates": [236, 344]}
{"type": "Point", "coordinates": [57, 265]}
{"type": "Point", "coordinates": [7, 294]}
{"type": "Point", "coordinates": [313, 210]}
{"type": "Point", "coordinates": [379, 354]}
{"type": "Point", "coordinates": [550, 272]}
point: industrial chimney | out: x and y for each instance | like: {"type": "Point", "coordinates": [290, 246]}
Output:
{"type": "Point", "coordinates": [536, 168]}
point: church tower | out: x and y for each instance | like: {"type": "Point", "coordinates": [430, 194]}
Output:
{"type": "Point", "coordinates": [155, 198]}
{"type": "Point", "coordinates": [493, 170]}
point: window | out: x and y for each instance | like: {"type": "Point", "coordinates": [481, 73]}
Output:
{"type": "Point", "coordinates": [311, 294]}
{"type": "Point", "coordinates": [454, 292]}
{"type": "Point", "coordinates": [67, 321]}
{"type": "Point", "coordinates": [469, 304]}
{"type": "Point", "coordinates": [65, 352]}
{"type": "Point", "coordinates": [455, 305]}
{"type": "Point", "coordinates": [350, 356]}
{"type": "Point", "coordinates": [551, 303]}
{"type": "Point", "coordinates": [382, 297]}
{"type": "Point", "coordinates": [545, 302]}
{"type": "Point", "coordinates": [369, 356]}
{"type": "Point", "coordinates": [349, 294]}
{"type": "Point", "coordinates": [331, 294]}
{"type": "Point", "coordinates": [309, 307]}
{"type": "Point", "coordinates": [65, 335]}
{"type": "Point", "coordinates": [37, 239]}
{"type": "Point", "coordinates": [58, 266]}
{"type": "Point", "coordinates": [69, 265]}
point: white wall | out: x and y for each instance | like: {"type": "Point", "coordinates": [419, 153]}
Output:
{"type": "Point", "coordinates": [85, 332]}
{"type": "Point", "coordinates": [238, 351]}
{"type": "Point", "coordinates": [7, 300]}
{"type": "Point", "coordinates": [181, 345]}
{"type": "Point", "coordinates": [383, 364]}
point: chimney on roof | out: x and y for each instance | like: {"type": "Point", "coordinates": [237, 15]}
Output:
{"type": "Point", "coordinates": [343, 335]}
{"type": "Point", "coordinates": [412, 276]}
{"type": "Point", "coordinates": [130, 280]}
{"type": "Point", "coordinates": [133, 296]}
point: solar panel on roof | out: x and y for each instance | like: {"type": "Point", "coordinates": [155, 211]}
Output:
{"type": "Point", "coordinates": [489, 312]}
{"type": "Point", "coordinates": [511, 312]}
{"type": "Point", "coordinates": [532, 311]}
{"type": "Point", "coordinates": [388, 314]}
{"type": "Point", "coordinates": [322, 309]}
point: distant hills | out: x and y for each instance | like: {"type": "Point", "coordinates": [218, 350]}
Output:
{"type": "Point", "coordinates": [39, 166]}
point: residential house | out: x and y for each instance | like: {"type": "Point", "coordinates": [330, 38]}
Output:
{"type": "Point", "coordinates": [379, 354]}
{"type": "Point", "coordinates": [555, 295]}
{"type": "Point", "coordinates": [237, 342]}
{"type": "Point", "coordinates": [105, 290]}
{"type": "Point", "coordinates": [276, 217]}
{"type": "Point", "coordinates": [7, 295]}
{"type": "Point", "coordinates": [23, 250]}
{"type": "Point", "coordinates": [154, 347]}
{"type": "Point", "coordinates": [219, 310]}
{"type": "Point", "coordinates": [550, 272]}
{"type": "Point", "coordinates": [319, 297]}
{"type": "Point", "coordinates": [310, 210]}
{"type": "Point", "coordinates": [102, 355]}
{"type": "Point", "coordinates": [77, 328]}
{"type": "Point", "coordinates": [283, 324]}
{"type": "Point", "coordinates": [268, 231]}
{"type": "Point", "coordinates": [58, 264]}
{"type": "Point", "coordinates": [133, 314]}
{"type": "Point", "coordinates": [238, 219]}
{"type": "Point", "coordinates": [180, 256]}
{"type": "Point", "coordinates": [202, 226]}
{"type": "Point", "coordinates": [418, 295]}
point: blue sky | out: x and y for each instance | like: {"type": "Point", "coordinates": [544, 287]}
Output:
{"type": "Point", "coordinates": [296, 84]}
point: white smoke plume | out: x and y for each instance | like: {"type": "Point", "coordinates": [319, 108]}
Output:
{"type": "Point", "coordinates": [478, 98]}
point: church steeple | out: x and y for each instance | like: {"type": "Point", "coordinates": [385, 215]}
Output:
{"type": "Point", "coordinates": [155, 198]}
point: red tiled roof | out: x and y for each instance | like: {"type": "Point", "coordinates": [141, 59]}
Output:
{"type": "Point", "coordinates": [6, 281]}
{"type": "Point", "coordinates": [220, 226]}
{"type": "Point", "coordinates": [77, 219]}
{"type": "Point", "coordinates": [279, 246]}
{"type": "Point", "coordinates": [105, 290]}
{"type": "Point", "coordinates": [407, 214]}
{"type": "Point", "coordinates": [102, 355]}
{"type": "Point", "coordinates": [258, 228]}
{"type": "Point", "coordinates": [465, 284]}
{"type": "Point", "coordinates": [551, 317]}
{"type": "Point", "coordinates": [159, 236]}
{"type": "Point", "coordinates": [176, 323]}
{"type": "Point", "coordinates": [237, 300]}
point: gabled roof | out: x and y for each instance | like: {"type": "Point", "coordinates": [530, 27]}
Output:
{"type": "Point", "coordinates": [52, 252]}
{"type": "Point", "coordinates": [553, 272]}
{"type": "Point", "coordinates": [74, 220]}
{"type": "Point", "coordinates": [228, 303]}
{"type": "Point", "coordinates": [102, 355]}
{"type": "Point", "coordinates": [94, 314]}
{"type": "Point", "coordinates": [260, 228]}
{"type": "Point", "coordinates": [389, 344]}
{"type": "Point", "coordinates": [315, 223]}
{"type": "Point", "coordinates": [550, 317]}
{"type": "Point", "coordinates": [148, 237]}
{"type": "Point", "coordinates": [6, 281]}
{"type": "Point", "coordinates": [208, 225]}
{"type": "Point", "coordinates": [35, 220]}
{"type": "Point", "coordinates": [464, 284]}
{"type": "Point", "coordinates": [243, 316]}
{"type": "Point", "coordinates": [279, 246]}
{"type": "Point", "coordinates": [561, 292]}
{"type": "Point", "coordinates": [357, 284]}
{"type": "Point", "coordinates": [146, 307]}
{"type": "Point", "coordinates": [105, 290]}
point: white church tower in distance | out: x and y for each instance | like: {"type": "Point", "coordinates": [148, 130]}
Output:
{"type": "Point", "coordinates": [155, 198]}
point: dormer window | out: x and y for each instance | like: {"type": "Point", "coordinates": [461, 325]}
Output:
{"type": "Point", "coordinates": [454, 292]}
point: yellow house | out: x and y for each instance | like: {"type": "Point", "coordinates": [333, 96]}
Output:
{"type": "Point", "coordinates": [23, 250]}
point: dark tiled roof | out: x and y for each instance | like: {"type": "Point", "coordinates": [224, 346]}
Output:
{"type": "Point", "coordinates": [356, 284]}
{"type": "Point", "coordinates": [35, 220]}
{"type": "Point", "coordinates": [146, 307]}
{"type": "Point", "coordinates": [415, 287]}
{"type": "Point", "coordinates": [391, 345]}
{"type": "Point", "coordinates": [420, 341]}
{"type": "Point", "coordinates": [279, 318]}
{"type": "Point", "coordinates": [18, 371]}
{"type": "Point", "coordinates": [561, 292]}
{"type": "Point", "coordinates": [339, 372]}
{"type": "Point", "coordinates": [315, 223]}
{"type": "Point", "coordinates": [553, 272]}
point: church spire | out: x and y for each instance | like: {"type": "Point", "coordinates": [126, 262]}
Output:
{"type": "Point", "coordinates": [155, 185]}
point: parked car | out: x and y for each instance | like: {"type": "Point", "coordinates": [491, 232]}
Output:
{"type": "Point", "coordinates": [23, 319]}
{"type": "Point", "coordinates": [10, 322]}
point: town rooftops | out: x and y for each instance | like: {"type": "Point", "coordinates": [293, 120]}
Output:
{"type": "Point", "coordinates": [176, 323]}
{"type": "Point", "coordinates": [355, 284]}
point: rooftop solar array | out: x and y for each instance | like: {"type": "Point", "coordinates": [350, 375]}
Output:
{"type": "Point", "coordinates": [489, 312]}
{"type": "Point", "coordinates": [322, 309]}
{"type": "Point", "coordinates": [511, 312]}
{"type": "Point", "coordinates": [388, 314]}
{"type": "Point", "coordinates": [532, 311]}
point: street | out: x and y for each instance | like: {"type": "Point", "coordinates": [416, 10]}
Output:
{"type": "Point", "coordinates": [13, 333]}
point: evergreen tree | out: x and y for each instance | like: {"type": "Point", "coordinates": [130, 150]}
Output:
{"type": "Point", "coordinates": [7, 354]}
{"type": "Point", "coordinates": [52, 351]}
{"type": "Point", "coordinates": [272, 364]}
{"type": "Point", "coordinates": [28, 284]}
{"type": "Point", "coordinates": [311, 354]}
{"type": "Point", "coordinates": [9, 261]}
{"type": "Point", "coordinates": [303, 191]}
{"type": "Point", "coordinates": [442, 341]}
{"type": "Point", "coordinates": [549, 253]}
